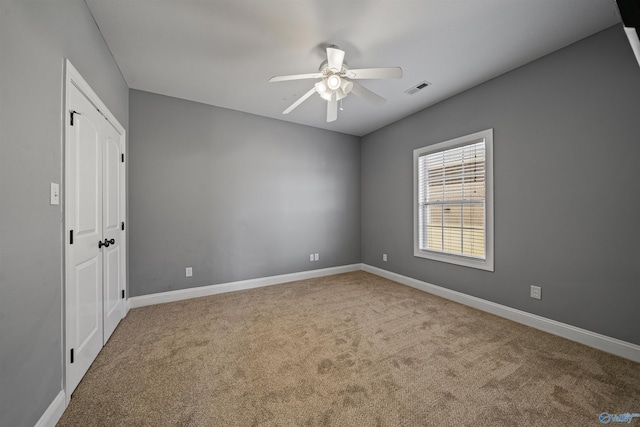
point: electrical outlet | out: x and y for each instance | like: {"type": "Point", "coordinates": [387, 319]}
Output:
{"type": "Point", "coordinates": [189, 271]}
{"type": "Point", "coordinates": [536, 292]}
{"type": "Point", "coordinates": [384, 257]}
{"type": "Point", "coordinates": [311, 257]}
{"type": "Point", "coordinates": [316, 257]}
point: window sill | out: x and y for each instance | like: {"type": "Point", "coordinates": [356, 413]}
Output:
{"type": "Point", "coordinates": [480, 264]}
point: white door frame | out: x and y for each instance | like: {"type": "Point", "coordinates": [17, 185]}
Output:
{"type": "Point", "coordinates": [73, 78]}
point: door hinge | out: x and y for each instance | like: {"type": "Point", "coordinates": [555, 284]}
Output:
{"type": "Point", "coordinates": [71, 355]}
{"type": "Point", "coordinates": [71, 237]}
{"type": "Point", "coordinates": [71, 113]}
{"type": "Point", "coordinates": [122, 225]}
{"type": "Point", "coordinates": [122, 157]}
{"type": "Point", "coordinates": [123, 294]}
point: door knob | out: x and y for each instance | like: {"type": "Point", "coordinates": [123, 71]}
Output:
{"type": "Point", "coordinates": [106, 243]}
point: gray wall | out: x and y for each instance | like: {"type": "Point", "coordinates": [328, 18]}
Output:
{"type": "Point", "coordinates": [566, 142]}
{"type": "Point", "coordinates": [35, 37]}
{"type": "Point", "coordinates": [235, 196]}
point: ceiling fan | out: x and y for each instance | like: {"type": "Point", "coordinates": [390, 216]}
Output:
{"type": "Point", "coordinates": [336, 82]}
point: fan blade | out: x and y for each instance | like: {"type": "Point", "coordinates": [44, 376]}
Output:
{"type": "Point", "coordinates": [295, 77]}
{"type": "Point", "coordinates": [375, 73]}
{"type": "Point", "coordinates": [365, 93]}
{"type": "Point", "coordinates": [335, 58]}
{"type": "Point", "coordinates": [332, 108]}
{"type": "Point", "coordinates": [299, 101]}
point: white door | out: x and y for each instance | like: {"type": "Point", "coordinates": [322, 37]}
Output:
{"type": "Point", "coordinates": [112, 219]}
{"type": "Point", "coordinates": [95, 261]}
{"type": "Point", "coordinates": [83, 214]}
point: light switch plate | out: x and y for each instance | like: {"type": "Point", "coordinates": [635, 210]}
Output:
{"type": "Point", "coordinates": [55, 194]}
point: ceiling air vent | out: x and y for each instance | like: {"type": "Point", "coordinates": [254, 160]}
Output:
{"type": "Point", "coordinates": [417, 88]}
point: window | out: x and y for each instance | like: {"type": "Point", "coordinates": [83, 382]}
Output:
{"type": "Point", "coordinates": [453, 198]}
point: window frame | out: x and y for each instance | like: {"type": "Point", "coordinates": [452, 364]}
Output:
{"type": "Point", "coordinates": [467, 261]}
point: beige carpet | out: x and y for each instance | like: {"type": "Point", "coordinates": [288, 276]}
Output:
{"type": "Point", "coordinates": [346, 350]}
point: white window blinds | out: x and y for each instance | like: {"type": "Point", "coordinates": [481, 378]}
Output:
{"type": "Point", "coordinates": [452, 201]}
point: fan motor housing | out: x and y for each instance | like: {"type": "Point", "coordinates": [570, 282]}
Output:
{"type": "Point", "coordinates": [324, 68]}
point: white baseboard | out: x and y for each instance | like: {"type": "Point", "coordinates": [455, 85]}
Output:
{"type": "Point", "coordinates": [202, 291]}
{"type": "Point", "coordinates": [601, 342]}
{"type": "Point", "coordinates": [53, 413]}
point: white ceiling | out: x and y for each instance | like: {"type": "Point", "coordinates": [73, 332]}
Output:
{"type": "Point", "coordinates": [223, 52]}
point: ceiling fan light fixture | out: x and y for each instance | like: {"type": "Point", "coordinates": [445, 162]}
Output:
{"type": "Point", "coordinates": [346, 86]}
{"type": "Point", "coordinates": [323, 90]}
{"type": "Point", "coordinates": [334, 81]}
{"type": "Point", "coordinates": [321, 87]}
